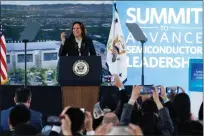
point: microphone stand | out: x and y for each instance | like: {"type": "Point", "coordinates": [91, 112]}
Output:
{"type": "Point", "coordinates": [25, 58]}
{"type": "Point", "coordinates": [142, 76]}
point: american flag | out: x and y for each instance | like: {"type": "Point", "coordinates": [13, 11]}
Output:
{"type": "Point", "coordinates": [3, 65]}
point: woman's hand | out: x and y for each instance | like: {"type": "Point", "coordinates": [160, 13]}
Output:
{"type": "Point", "coordinates": [63, 35]}
{"type": "Point", "coordinates": [163, 93]}
{"type": "Point", "coordinates": [66, 125]}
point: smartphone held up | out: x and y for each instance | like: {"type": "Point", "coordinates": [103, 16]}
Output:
{"type": "Point", "coordinates": [108, 79]}
{"type": "Point", "coordinates": [148, 89]}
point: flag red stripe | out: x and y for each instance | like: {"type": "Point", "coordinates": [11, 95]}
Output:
{"type": "Point", "coordinates": [2, 74]}
{"type": "Point", "coordinates": [3, 45]}
{"type": "Point", "coordinates": [3, 62]}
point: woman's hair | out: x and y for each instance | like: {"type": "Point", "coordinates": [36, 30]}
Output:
{"type": "Point", "coordinates": [149, 106]}
{"type": "Point", "coordinates": [150, 124]}
{"type": "Point", "coordinates": [200, 113]}
{"type": "Point", "coordinates": [182, 107]}
{"type": "Point", "coordinates": [83, 29]}
{"type": "Point", "coordinates": [193, 128]}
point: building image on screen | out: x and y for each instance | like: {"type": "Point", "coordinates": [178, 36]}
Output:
{"type": "Point", "coordinates": [42, 53]}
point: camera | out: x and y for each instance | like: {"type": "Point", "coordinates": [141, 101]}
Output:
{"type": "Point", "coordinates": [147, 89]}
{"type": "Point", "coordinates": [173, 90]}
{"type": "Point", "coordinates": [108, 79]}
{"type": "Point", "coordinates": [53, 126]}
{"type": "Point", "coordinates": [54, 120]}
{"type": "Point", "coordinates": [158, 89]}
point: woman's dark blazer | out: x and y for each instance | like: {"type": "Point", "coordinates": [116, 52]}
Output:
{"type": "Point", "coordinates": [70, 48]}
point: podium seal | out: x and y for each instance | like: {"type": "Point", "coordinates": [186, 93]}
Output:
{"type": "Point", "coordinates": [80, 68]}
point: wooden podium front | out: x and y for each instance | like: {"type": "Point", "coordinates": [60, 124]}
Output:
{"type": "Point", "coordinates": [80, 96]}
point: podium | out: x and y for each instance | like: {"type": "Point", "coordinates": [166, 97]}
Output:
{"type": "Point", "coordinates": [80, 80]}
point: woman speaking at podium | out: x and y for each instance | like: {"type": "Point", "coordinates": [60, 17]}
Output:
{"type": "Point", "coordinates": [78, 43]}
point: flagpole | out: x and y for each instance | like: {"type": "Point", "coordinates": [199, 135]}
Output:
{"type": "Point", "coordinates": [115, 10]}
{"type": "Point", "coordinates": [0, 60]}
{"type": "Point", "coordinates": [114, 18]}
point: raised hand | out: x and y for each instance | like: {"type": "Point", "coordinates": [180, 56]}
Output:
{"type": "Point", "coordinates": [163, 93]}
{"type": "Point", "coordinates": [88, 121]}
{"type": "Point", "coordinates": [135, 130]}
{"type": "Point", "coordinates": [65, 110]}
{"type": "Point", "coordinates": [156, 98]}
{"type": "Point", "coordinates": [63, 35]}
{"type": "Point", "coordinates": [104, 129]}
{"type": "Point", "coordinates": [135, 92]}
{"type": "Point", "coordinates": [66, 125]}
{"type": "Point", "coordinates": [117, 82]}
{"type": "Point", "coordinates": [182, 90]}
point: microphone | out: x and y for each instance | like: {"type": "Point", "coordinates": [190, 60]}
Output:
{"type": "Point", "coordinates": [77, 47]}
{"type": "Point", "coordinates": [79, 50]}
